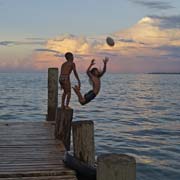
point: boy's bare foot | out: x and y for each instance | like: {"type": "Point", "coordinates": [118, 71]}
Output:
{"type": "Point", "coordinates": [62, 107]}
{"type": "Point", "coordinates": [67, 107]}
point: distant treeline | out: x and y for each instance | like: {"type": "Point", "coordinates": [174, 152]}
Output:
{"type": "Point", "coordinates": [164, 73]}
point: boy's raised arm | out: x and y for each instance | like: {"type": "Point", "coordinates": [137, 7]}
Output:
{"type": "Point", "coordinates": [88, 69]}
{"type": "Point", "coordinates": [76, 75]}
{"type": "Point", "coordinates": [104, 68]}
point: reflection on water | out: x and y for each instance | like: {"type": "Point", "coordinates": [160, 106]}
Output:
{"type": "Point", "coordinates": [133, 114]}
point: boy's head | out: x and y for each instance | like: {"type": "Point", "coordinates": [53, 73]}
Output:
{"type": "Point", "coordinates": [95, 72]}
{"type": "Point", "coordinates": [69, 56]}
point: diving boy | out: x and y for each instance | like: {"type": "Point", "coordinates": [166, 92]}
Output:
{"type": "Point", "coordinates": [94, 76]}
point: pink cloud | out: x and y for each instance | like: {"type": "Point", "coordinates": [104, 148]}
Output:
{"type": "Point", "coordinates": [145, 47]}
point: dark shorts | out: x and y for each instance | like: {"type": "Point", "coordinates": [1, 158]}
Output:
{"type": "Point", "coordinates": [89, 96]}
{"type": "Point", "coordinates": [65, 83]}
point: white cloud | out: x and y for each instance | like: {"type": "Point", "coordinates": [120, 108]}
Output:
{"type": "Point", "coordinates": [142, 47]}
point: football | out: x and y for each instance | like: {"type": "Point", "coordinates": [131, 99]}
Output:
{"type": "Point", "coordinates": [110, 41]}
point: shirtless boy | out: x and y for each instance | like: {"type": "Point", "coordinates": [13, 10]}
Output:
{"type": "Point", "coordinates": [94, 76]}
{"type": "Point", "coordinates": [64, 79]}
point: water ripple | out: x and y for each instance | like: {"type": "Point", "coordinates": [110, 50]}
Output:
{"type": "Point", "coordinates": [133, 114]}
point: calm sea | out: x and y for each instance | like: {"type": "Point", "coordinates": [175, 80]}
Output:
{"type": "Point", "coordinates": [136, 114]}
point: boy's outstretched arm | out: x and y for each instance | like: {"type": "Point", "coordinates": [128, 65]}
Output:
{"type": "Point", "coordinates": [76, 75]}
{"type": "Point", "coordinates": [104, 68]}
{"type": "Point", "coordinates": [89, 68]}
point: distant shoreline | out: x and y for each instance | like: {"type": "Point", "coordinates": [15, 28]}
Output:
{"type": "Point", "coordinates": [164, 73]}
{"type": "Point", "coordinates": [133, 73]}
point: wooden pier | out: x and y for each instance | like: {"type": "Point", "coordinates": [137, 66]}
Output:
{"type": "Point", "coordinates": [29, 151]}
{"type": "Point", "coordinates": [35, 150]}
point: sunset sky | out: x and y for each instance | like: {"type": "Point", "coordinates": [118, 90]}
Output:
{"type": "Point", "coordinates": [35, 34]}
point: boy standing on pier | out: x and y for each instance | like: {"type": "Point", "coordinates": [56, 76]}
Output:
{"type": "Point", "coordinates": [64, 79]}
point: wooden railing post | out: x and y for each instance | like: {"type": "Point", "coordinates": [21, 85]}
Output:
{"type": "Point", "coordinates": [116, 167]}
{"type": "Point", "coordinates": [83, 141]}
{"type": "Point", "coordinates": [52, 93]}
{"type": "Point", "coordinates": [63, 126]}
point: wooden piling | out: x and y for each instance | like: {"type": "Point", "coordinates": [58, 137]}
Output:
{"type": "Point", "coordinates": [52, 93]}
{"type": "Point", "coordinates": [83, 141]}
{"type": "Point", "coordinates": [63, 126]}
{"type": "Point", "coordinates": [116, 167]}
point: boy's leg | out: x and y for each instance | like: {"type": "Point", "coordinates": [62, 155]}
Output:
{"type": "Point", "coordinates": [63, 97]}
{"type": "Point", "coordinates": [68, 93]}
{"type": "Point", "coordinates": [63, 100]}
{"type": "Point", "coordinates": [68, 99]}
{"type": "Point", "coordinates": [80, 97]}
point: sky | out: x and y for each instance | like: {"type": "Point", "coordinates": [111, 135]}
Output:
{"type": "Point", "coordinates": [35, 35]}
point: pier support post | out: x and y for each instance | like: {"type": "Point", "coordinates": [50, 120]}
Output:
{"type": "Point", "coordinates": [52, 93]}
{"type": "Point", "coordinates": [83, 141]}
{"type": "Point", "coordinates": [63, 126]}
{"type": "Point", "coordinates": [116, 167]}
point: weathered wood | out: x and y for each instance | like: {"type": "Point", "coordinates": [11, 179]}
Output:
{"type": "Point", "coordinates": [43, 178]}
{"type": "Point", "coordinates": [52, 93]}
{"type": "Point", "coordinates": [69, 177]}
{"type": "Point", "coordinates": [63, 126]}
{"type": "Point", "coordinates": [83, 141]}
{"type": "Point", "coordinates": [29, 151]}
{"type": "Point", "coordinates": [116, 167]}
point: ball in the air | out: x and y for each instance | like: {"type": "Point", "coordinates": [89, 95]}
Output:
{"type": "Point", "coordinates": [110, 41]}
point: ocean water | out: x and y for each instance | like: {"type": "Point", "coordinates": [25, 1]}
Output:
{"type": "Point", "coordinates": [135, 114]}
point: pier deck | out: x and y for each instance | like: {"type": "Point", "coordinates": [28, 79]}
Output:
{"type": "Point", "coordinates": [28, 151]}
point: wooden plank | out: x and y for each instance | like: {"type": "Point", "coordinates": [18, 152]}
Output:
{"type": "Point", "coordinates": [69, 177]}
{"type": "Point", "coordinates": [29, 151]}
{"type": "Point", "coordinates": [36, 174]}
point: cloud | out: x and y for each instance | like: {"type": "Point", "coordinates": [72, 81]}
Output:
{"type": "Point", "coordinates": [148, 31]}
{"type": "Point", "coordinates": [36, 38]}
{"type": "Point", "coordinates": [24, 64]}
{"type": "Point", "coordinates": [46, 50]}
{"type": "Point", "coordinates": [160, 5]}
{"type": "Point", "coordinates": [126, 40]}
{"type": "Point", "coordinates": [65, 42]}
{"type": "Point", "coordinates": [146, 46]}
{"type": "Point", "coordinates": [30, 42]}
{"type": "Point", "coordinates": [171, 51]}
{"type": "Point", "coordinates": [6, 43]}
{"type": "Point", "coordinates": [166, 22]}
{"type": "Point", "coordinates": [27, 42]}
{"type": "Point", "coordinates": [174, 49]}
{"type": "Point", "coordinates": [152, 44]}
{"type": "Point", "coordinates": [17, 55]}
